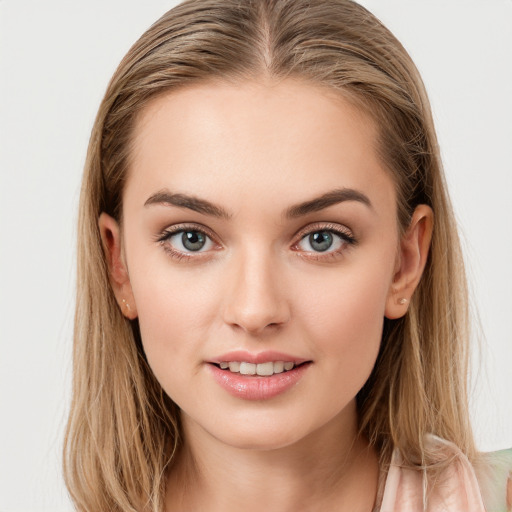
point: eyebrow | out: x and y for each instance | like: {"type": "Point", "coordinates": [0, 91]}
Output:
{"type": "Point", "coordinates": [166, 198]}
{"type": "Point", "coordinates": [329, 199]}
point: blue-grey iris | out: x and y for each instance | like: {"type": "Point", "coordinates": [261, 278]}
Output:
{"type": "Point", "coordinates": [193, 240]}
{"type": "Point", "coordinates": [321, 240]}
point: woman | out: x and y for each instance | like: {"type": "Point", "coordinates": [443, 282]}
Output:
{"type": "Point", "coordinates": [271, 308]}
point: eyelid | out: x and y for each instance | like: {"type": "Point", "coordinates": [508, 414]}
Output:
{"type": "Point", "coordinates": [343, 232]}
{"type": "Point", "coordinates": [324, 226]}
{"type": "Point", "coordinates": [163, 235]}
{"type": "Point", "coordinates": [339, 229]}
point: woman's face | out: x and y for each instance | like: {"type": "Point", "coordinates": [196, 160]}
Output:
{"type": "Point", "coordinates": [259, 231]}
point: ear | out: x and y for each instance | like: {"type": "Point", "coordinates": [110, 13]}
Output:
{"type": "Point", "coordinates": [411, 259]}
{"type": "Point", "coordinates": [119, 278]}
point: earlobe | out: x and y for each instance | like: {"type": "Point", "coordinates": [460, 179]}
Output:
{"type": "Point", "coordinates": [119, 278]}
{"type": "Point", "coordinates": [411, 260]}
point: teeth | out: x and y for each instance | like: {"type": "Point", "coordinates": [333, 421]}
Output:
{"type": "Point", "coordinates": [247, 369]}
{"type": "Point", "coordinates": [234, 366]}
{"type": "Point", "coordinates": [263, 369]}
{"type": "Point", "coordinates": [279, 367]}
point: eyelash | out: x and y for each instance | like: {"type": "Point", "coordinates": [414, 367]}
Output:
{"type": "Point", "coordinates": [164, 237]}
{"type": "Point", "coordinates": [344, 234]}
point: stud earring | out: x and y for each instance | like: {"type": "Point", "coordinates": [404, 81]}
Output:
{"type": "Point", "coordinates": [127, 305]}
{"type": "Point", "coordinates": [402, 301]}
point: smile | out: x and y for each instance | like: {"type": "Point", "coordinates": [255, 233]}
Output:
{"type": "Point", "coordinates": [259, 376]}
{"type": "Point", "coordinates": [265, 369]}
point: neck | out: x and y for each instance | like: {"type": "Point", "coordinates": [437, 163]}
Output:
{"type": "Point", "coordinates": [332, 467]}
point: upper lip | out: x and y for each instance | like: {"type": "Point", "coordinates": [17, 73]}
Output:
{"type": "Point", "coordinates": [256, 358]}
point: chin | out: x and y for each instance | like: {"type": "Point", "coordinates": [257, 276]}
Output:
{"type": "Point", "coordinates": [259, 440]}
{"type": "Point", "coordinates": [256, 430]}
{"type": "Point", "coordinates": [271, 430]}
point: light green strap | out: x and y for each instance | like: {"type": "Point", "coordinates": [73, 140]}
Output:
{"type": "Point", "coordinates": [494, 474]}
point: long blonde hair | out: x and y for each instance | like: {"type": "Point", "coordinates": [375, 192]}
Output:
{"type": "Point", "coordinates": [123, 430]}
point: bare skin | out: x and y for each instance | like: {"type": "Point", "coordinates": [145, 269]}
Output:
{"type": "Point", "coordinates": [319, 473]}
{"type": "Point", "coordinates": [293, 246]}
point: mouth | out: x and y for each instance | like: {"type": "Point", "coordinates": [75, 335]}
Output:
{"type": "Point", "coordinates": [265, 369]}
{"type": "Point", "coordinates": [258, 376]}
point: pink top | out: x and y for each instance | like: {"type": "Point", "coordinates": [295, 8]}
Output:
{"type": "Point", "coordinates": [461, 487]}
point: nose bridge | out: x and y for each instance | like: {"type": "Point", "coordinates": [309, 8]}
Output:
{"type": "Point", "coordinates": [256, 300]}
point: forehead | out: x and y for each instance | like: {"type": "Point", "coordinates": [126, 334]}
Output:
{"type": "Point", "coordinates": [251, 139]}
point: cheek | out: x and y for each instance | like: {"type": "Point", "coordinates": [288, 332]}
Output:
{"type": "Point", "coordinates": [343, 316]}
{"type": "Point", "coordinates": [350, 323]}
{"type": "Point", "coordinates": [175, 310]}
{"type": "Point", "coordinates": [346, 300]}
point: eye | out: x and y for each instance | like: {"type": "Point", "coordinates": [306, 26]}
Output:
{"type": "Point", "coordinates": [330, 240]}
{"type": "Point", "coordinates": [182, 241]}
{"type": "Point", "coordinates": [320, 241]}
{"type": "Point", "coordinates": [190, 241]}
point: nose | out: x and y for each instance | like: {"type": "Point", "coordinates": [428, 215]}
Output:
{"type": "Point", "coordinates": [256, 299]}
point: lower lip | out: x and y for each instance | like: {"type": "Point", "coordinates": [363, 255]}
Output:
{"type": "Point", "coordinates": [254, 387]}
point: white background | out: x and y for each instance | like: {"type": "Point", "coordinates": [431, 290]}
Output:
{"type": "Point", "coordinates": [56, 57]}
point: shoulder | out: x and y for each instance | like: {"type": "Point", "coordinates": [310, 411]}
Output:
{"type": "Point", "coordinates": [494, 474]}
{"type": "Point", "coordinates": [487, 481]}
{"type": "Point", "coordinates": [452, 484]}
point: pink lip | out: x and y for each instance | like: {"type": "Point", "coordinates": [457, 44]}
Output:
{"type": "Point", "coordinates": [254, 387]}
{"type": "Point", "coordinates": [261, 357]}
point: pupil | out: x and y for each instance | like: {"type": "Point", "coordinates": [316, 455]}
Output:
{"type": "Point", "coordinates": [193, 240]}
{"type": "Point", "coordinates": [321, 240]}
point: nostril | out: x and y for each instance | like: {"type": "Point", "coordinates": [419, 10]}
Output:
{"type": "Point", "coordinates": [256, 298]}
